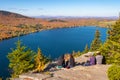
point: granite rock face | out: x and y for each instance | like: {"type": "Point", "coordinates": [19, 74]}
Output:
{"type": "Point", "coordinates": [79, 72]}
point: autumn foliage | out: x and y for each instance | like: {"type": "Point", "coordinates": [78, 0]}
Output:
{"type": "Point", "coordinates": [13, 24]}
{"type": "Point", "coordinates": [41, 61]}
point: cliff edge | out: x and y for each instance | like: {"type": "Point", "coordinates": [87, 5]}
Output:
{"type": "Point", "coordinates": [79, 72]}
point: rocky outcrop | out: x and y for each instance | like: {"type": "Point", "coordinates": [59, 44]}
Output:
{"type": "Point", "coordinates": [96, 72]}
{"type": "Point", "coordinates": [79, 72]}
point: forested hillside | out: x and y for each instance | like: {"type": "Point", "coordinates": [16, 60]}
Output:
{"type": "Point", "coordinates": [13, 24]}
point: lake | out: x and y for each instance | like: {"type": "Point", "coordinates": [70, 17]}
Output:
{"type": "Point", "coordinates": [54, 42]}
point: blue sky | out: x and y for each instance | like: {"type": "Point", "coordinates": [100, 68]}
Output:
{"type": "Point", "coordinates": [62, 7]}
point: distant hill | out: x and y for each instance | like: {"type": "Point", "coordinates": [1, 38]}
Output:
{"type": "Point", "coordinates": [11, 14]}
{"type": "Point", "coordinates": [74, 17]}
{"type": "Point", "coordinates": [14, 24]}
{"type": "Point", "coordinates": [14, 19]}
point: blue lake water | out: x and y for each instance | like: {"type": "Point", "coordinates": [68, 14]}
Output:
{"type": "Point", "coordinates": [53, 42]}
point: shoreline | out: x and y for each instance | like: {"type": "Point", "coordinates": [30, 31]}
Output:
{"type": "Point", "coordinates": [45, 29]}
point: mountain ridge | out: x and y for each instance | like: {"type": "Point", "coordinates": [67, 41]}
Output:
{"type": "Point", "coordinates": [16, 15]}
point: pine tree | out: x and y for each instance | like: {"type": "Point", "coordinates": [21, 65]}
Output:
{"type": "Point", "coordinates": [40, 61]}
{"type": "Point", "coordinates": [96, 43]}
{"type": "Point", "coordinates": [111, 48]}
{"type": "Point", "coordinates": [114, 32]}
{"type": "Point", "coordinates": [20, 59]}
{"type": "Point", "coordinates": [86, 49]}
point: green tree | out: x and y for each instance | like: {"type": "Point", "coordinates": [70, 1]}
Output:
{"type": "Point", "coordinates": [40, 61]}
{"type": "Point", "coordinates": [96, 43]}
{"type": "Point", "coordinates": [111, 51]}
{"type": "Point", "coordinates": [111, 48]}
{"type": "Point", "coordinates": [21, 59]}
{"type": "Point", "coordinates": [114, 32]}
{"type": "Point", "coordinates": [86, 49]}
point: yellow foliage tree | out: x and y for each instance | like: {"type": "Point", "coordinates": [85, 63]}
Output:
{"type": "Point", "coordinates": [40, 61]}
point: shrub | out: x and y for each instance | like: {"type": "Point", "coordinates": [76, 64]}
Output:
{"type": "Point", "coordinates": [114, 72]}
{"type": "Point", "coordinates": [76, 54]}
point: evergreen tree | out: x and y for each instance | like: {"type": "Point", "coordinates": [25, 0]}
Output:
{"type": "Point", "coordinates": [111, 48]}
{"type": "Point", "coordinates": [86, 49]}
{"type": "Point", "coordinates": [20, 59]}
{"type": "Point", "coordinates": [40, 61]}
{"type": "Point", "coordinates": [114, 32]}
{"type": "Point", "coordinates": [96, 43]}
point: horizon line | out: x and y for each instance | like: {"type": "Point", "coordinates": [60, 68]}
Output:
{"type": "Point", "coordinates": [60, 15]}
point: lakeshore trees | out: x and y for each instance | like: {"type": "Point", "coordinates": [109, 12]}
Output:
{"type": "Point", "coordinates": [111, 50]}
{"type": "Point", "coordinates": [96, 43]}
{"type": "Point", "coordinates": [40, 61]}
{"type": "Point", "coordinates": [23, 59]}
